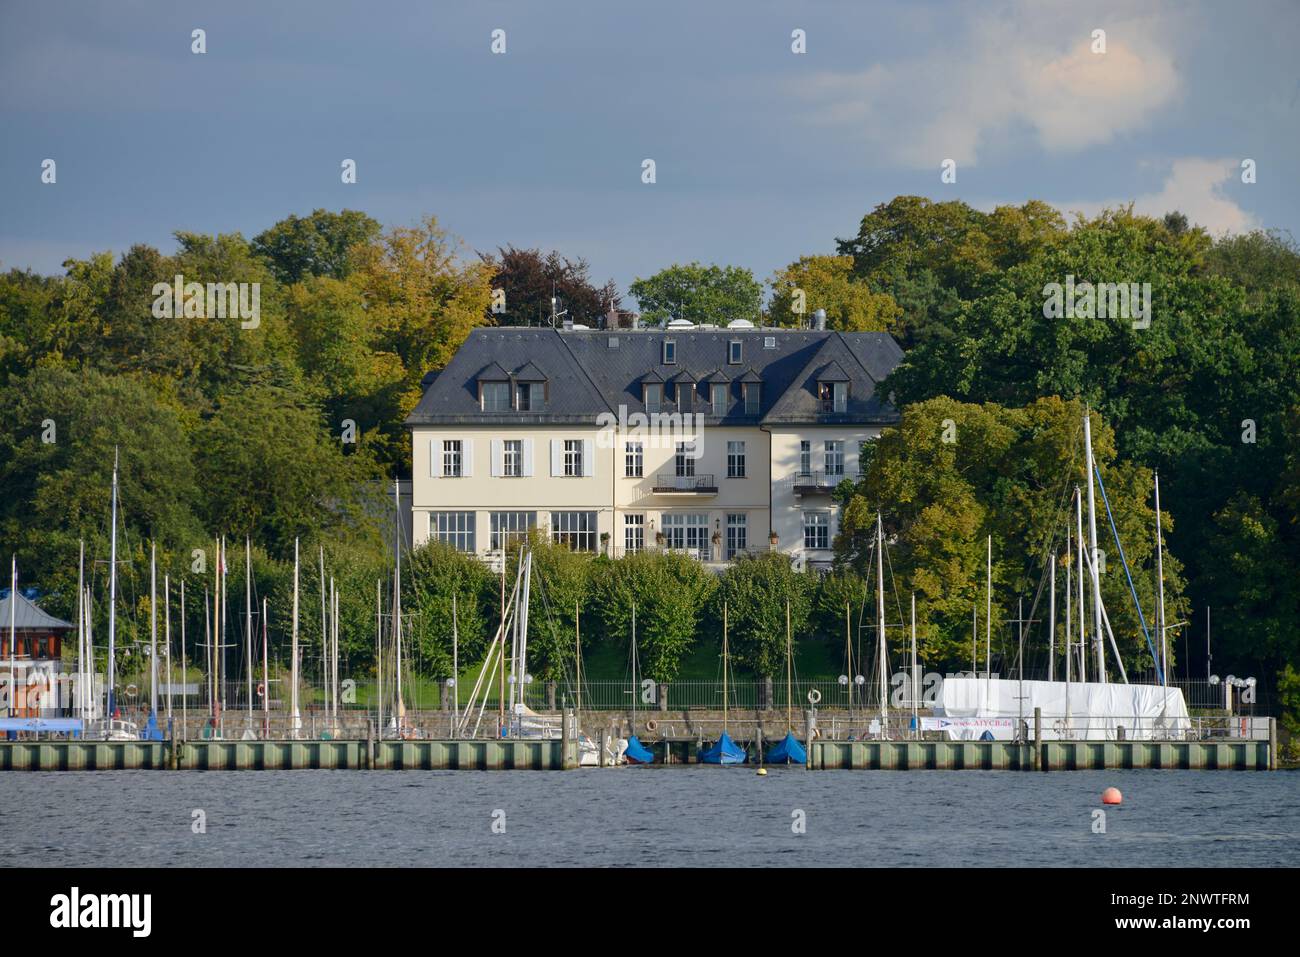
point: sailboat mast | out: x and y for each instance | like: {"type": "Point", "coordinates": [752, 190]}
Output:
{"type": "Point", "coordinates": [988, 611]}
{"type": "Point", "coordinates": [916, 690]}
{"type": "Point", "coordinates": [1051, 623]}
{"type": "Point", "coordinates": [293, 647]}
{"type": "Point", "coordinates": [13, 636]}
{"type": "Point", "coordinates": [1068, 636]}
{"type": "Point", "coordinates": [1083, 628]}
{"type": "Point", "coordinates": [397, 602]}
{"type": "Point", "coordinates": [789, 664]}
{"type": "Point", "coordinates": [266, 677]}
{"type": "Point", "coordinates": [153, 629]}
{"type": "Point", "coordinates": [184, 670]}
{"type": "Point", "coordinates": [455, 658]}
{"type": "Point", "coordinates": [1092, 548]}
{"type": "Point", "coordinates": [1160, 577]}
{"type": "Point", "coordinates": [112, 598]}
{"type": "Point", "coordinates": [636, 688]}
{"type": "Point", "coordinates": [379, 657]}
{"type": "Point", "coordinates": [81, 631]}
{"type": "Point", "coordinates": [880, 617]}
{"type": "Point", "coordinates": [724, 667]}
{"type": "Point", "coordinates": [248, 623]}
{"type": "Point", "coordinates": [223, 665]}
{"type": "Point", "coordinates": [207, 652]}
{"type": "Point", "coordinates": [167, 638]}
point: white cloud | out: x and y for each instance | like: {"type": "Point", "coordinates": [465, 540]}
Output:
{"type": "Point", "coordinates": [1009, 69]}
{"type": "Point", "coordinates": [1194, 187]}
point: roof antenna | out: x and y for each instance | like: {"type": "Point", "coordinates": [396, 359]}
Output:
{"type": "Point", "coordinates": [554, 302]}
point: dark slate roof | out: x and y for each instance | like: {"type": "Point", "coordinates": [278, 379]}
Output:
{"type": "Point", "coordinates": [492, 372]}
{"type": "Point", "coordinates": [864, 359]}
{"type": "Point", "coordinates": [831, 372]}
{"type": "Point", "coordinates": [29, 615]}
{"type": "Point", "coordinates": [453, 397]}
{"type": "Point", "coordinates": [586, 377]}
{"type": "Point", "coordinates": [529, 373]}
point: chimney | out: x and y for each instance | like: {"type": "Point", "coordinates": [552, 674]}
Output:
{"type": "Point", "coordinates": [819, 320]}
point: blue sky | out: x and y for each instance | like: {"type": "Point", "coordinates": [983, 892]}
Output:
{"type": "Point", "coordinates": [762, 155]}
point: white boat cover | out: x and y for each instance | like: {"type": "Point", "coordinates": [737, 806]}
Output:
{"type": "Point", "coordinates": [1077, 710]}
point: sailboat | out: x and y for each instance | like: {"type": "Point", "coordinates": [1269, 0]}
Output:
{"type": "Point", "coordinates": [789, 750]}
{"type": "Point", "coordinates": [724, 751]}
{"type": "Point", "coordinates": [635, 752]}
{"type": "Point", "coordinates": [1099, 709]}
{"type": "Point", "coordinates": [112, 727]}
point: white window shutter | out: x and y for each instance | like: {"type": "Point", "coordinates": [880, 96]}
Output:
{"type": "Point", "coordinates": [588, 457]}
{"type": "Point", "coordinates": [498, 457]}
{"type": "Point", "coordinates": [528, 457]}
{"type": "Point", "coordinates": [557, 456]}
{"type": "Point", "coordinates": [435, 458]}
{"type": "Point", "coordinates": [467, 457]}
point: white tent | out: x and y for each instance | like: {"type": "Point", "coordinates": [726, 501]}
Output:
{"type": "Point", "coordinates": [970, 707]}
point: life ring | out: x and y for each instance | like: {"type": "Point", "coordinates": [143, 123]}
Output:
{"type": "Point", "coordinates": [652, 725]}
{"type": "Point", "coordinates": [814, 696]}
{"type": "Point", "coordinates": [132, 691]}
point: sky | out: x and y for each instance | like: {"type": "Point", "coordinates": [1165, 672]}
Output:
{"type": "Point", "coordinates": [761, 154]}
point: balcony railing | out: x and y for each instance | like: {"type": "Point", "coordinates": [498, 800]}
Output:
{"type": "Point", "coordinates": [670, 483]}
{"type": "Point", "coordinates": [817, 481]}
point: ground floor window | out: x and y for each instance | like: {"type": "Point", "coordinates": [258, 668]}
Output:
{"type": "Point", "coordinates": [816, 530]}
{"type": "Point", "coordinates": [454, 528]}
{"type": "Point", "coordinates": [575, 529]}
{"type": "Point", "coordinates": [633, 533]}
{"type": "Point", "coordinates": [686, 531]}
{"type": "Point", "coordinates": [737, 534]}
{"type": "Point", "coordinates": [509, 528]}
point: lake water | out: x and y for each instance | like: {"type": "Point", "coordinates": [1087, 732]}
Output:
{"type": "Point", "coordinates": [649, 817]}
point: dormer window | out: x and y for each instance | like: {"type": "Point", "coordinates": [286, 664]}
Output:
{"type": "Point", "coordinates": [494, 396]}
{"type": "Point", "coordinates": [734, 352]}
{"type": "Point", "coordinates": [670, 352]}
{"type": "Point", "coordinates": [685, 396]}
{"type": "Point", "coordinates": [718, 398]}
{"type": "Point", "coordinates": [752, 394]}
{"type": "Point", "coordinates": [529, 396]}
{"type": "Point", "coordinates": [833, 396]}
{"type": "Point", "coordinates": [654, 396]}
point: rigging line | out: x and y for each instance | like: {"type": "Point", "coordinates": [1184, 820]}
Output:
{"type": "Point", "coordinates": [1137, 604]}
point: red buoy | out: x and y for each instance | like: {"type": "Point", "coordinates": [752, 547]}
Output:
{"type": "Point", "coordinates": [1111, 796]}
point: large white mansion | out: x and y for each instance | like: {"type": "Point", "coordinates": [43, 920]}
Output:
{"type": "Point", "coordinates": [714, 441]}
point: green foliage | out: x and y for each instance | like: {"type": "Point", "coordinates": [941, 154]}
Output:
{"type": "Point", "coordinates": [561, 587]}
{"type": "Point", "coordinates": [714, 294]}
{"type": "Point", "coordinates": [1008, 474]}
{"type": "Point", "coordinates": [828, 282]}
{"type": "Point", "coordinates": [756, 591]}
{"type": "Point", "coordinates": [320, 244]}
{"type": "Point", "coordinates": [670, 592]}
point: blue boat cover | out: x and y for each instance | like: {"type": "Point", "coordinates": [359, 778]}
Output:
{"type": "Point", "coordinates": [725, 751]}
{"type": "Point", "coordinates": [638, 753]}
{"type": "Point", "coordinates": [787, 751]}
{"type": "Point", "coordinates": [151, 730]}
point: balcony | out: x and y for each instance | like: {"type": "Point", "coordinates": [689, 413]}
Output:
{"type": "Point", "coordinates": [818, 482]}
{"type": "Point", "coordinates": [670, 483]}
